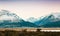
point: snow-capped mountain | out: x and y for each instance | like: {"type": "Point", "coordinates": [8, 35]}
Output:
{"type": "Point", "coordinates": [6, 15]}
{"type": "Point", "coordinates": [11, 20]}
{"type": "Point", "coordinates": [52, 20]}
{"type": "Point", "coordinates": [32, 19]}
{"type": "Point", "coordinates": [36, 21]}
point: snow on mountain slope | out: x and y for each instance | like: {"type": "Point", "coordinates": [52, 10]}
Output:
{"type": "Point", "coordinates": [11, 20]}
{"type": "Point", "coordinates": [6, 15]}
{"type": "Point", "coordinates": [52, 20]}
{"type": "Point", "coordinates": [32, 19]}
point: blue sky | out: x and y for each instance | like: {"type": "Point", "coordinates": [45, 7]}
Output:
{"type": "Point", "coordinates": [31, 8]}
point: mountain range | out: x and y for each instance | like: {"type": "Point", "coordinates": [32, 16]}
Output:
{"type": "Point", "coordinates": [51, 20]}
{"type": "Point", "coordinates": [11, 20]}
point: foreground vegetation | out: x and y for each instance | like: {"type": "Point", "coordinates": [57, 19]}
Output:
{"type": "Point", "coordinates": [29, 33]}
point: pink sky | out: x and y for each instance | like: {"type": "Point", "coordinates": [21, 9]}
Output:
{"type": "Point", "coordinates": [26, 9]}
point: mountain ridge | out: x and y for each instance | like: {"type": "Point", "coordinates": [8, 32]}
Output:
{"type": "Point", "coordinates": [52, 20]}
{"type": "Point", "coordinates": [6, 20]}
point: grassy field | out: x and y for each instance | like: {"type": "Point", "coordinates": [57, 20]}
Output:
{"type": "Point", "coordinates": [29, 33]}
{"type": "Point", "coordinates": [24, 32]}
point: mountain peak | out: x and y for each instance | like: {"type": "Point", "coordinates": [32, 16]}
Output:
{"type": "Point", "coordinates": [11, 20]}
{"type": "Point", "coordinates": [7, 15]}
{"type": "Point", "coordinates": [3, 12]}
{"type": "Point", "coordinates": [6, 12]}
{"type": "Point", "coordinates": [56, 14]}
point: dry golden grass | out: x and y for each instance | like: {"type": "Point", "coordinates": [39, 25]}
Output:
{"type": "Point", "coordinates": [28, 29]}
